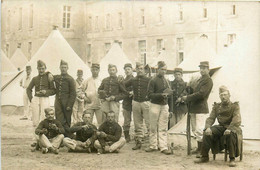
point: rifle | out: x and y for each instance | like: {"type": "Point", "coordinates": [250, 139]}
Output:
{"type": "Point", "coordinates": [188, 126]}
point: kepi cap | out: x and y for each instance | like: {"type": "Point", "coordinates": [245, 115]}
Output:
{"type": "Point", "coordinates": [128, 65]}
{"type": "Point", "coordinates": [62, 62]}
{"type": "Point", "coordinates": [223, 89]}
{"type": "Point", "coordinates": [95, 65]}
{"type": "Point", "coordinates": [161, 64]}
{"type": "Point", "coordinates": [40, 63]}
{"type": "Point", "coordinates": [204, 64]}
{"type": "Point", "coordinates": [178, 70]}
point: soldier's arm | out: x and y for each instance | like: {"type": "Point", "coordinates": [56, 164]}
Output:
{"type": "Point", "coordinates": [122, 92]}
{"type": "Point", "coordinates": [101, 90]}
{"type": "Point", "coordinates": [212, 117]}
{"type": "Point", "coordinates": [39, 128]}
{"type": "Point", "coordinates": [72, 91]}
{"type": "Point", "coordinates": [236, 120]}
{"type": "Point", "coordinates": [51, 91]}
{"type": "Point", "coordinates": [60, 128]}
{"type": "Point", "coordinates": [29, 89]}
{"type": "Point", "coordinates": [128, 83]}
{"type": "Point", "coordinates": [76, 127]}
{"type": "Point", "coordinates": [204, 90]}
{"type": "Point", "coordinates": [151, 94]}
{"type": "Point", "coordinates": [117, 136]}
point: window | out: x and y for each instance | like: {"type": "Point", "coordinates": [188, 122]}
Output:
{"type": "Point", "coordinates": [107, 47]}
{"type": "Point", "coordinates": [233, 12]}
{"type": "Point", "coordinates": [8, 20]}
{"type": "Point", "coordinates": [159, 14]}
{"type": "Point", "coordinates": [180, 13]}
{"type": "Point", "coordinates": [66, 17]}
{"type": "Point", "coordinates": [89, 23]}
{"type": "Point", "coordinates": [31, 17]}
{"type": "Point", "coordinates": [142, 17]}
{"type": "Point", "coordinates": [19, 45]}
{"type": "Point", "coordinates": [204, 11]}
{"type": "Point", "coordinates": [180, 50]}
{"type": "Point", "coordinates": [108, 22]}
{"type": "Point", "coordinates": [20, 18]}
{"type": "Point", "coordinates": [7, 49]}
{"type": "Point", "coordinates": [142, 51]}
{"type": "Point", "coordinates": [120, 43]}
{"type": "Point", "coordinates": [96, 23]}
{"type": "Point", "coordinates": [30, 49]}
{"type": "Point", "coordinates": [88, 52]}
{"type": "Point", "coordinates": [159, 46]}
{"type": "Point", "coordinates": [120, 20]}
{"type": "Point", "coordinates": [231, 38]}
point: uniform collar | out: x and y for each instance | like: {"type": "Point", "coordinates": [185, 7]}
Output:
{"type": "Point", "coordinates": [178, 81]}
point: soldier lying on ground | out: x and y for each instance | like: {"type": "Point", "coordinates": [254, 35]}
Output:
{"type": "Point", "coordinates": [85, 135]}
{"type": "Point", "coordinates": [229, 118]}
{"type": "Point", "coordinates": [50, 132]}
{"type": "Point", "coordinates": [109, 136]}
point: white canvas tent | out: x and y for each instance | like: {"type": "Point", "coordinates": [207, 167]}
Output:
{"type": "Point", "coordinates": [51, 52]}
{"type": "Point", "coordinates": [114, 56]}
{"type": "Point", "coordinates": [19, 59]}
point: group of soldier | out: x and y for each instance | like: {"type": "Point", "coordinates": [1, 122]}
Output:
{"type": "Point", "coordinates": [155, 103]}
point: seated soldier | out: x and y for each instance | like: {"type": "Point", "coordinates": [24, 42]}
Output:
{"type": "Point", "coordinates": [109, 136]}
{"type": "Point", "coordinates": [50, 133]}
{"type": "Point", "coordinates": [85, 135]}
{"type": "Point", "coordinates": [229, 119]}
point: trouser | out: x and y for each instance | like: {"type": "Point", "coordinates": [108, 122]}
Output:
{"type": "Point", "coordinates": [26, 103]}
{"type": "Point", "coordinates": [198, 124]}
{"type": "Point", "coordinates": [115, 146]}
{"type": "Point", "coordinates": [158, 126]}
{"type": "Point", "coordinates": [38, 105]}
{"type": "Point", "coordinates": [108, 106]}
{"type": "Point", "coordinates": [217, 133]}
{"type": "Point", "coordinates": [140, 113]}
{"type": "Point", "coordinates": [55, 142]}
{"type": "Point", "coordinates": [99, 115]}
{"type": "Point", "coordinates": [63, 115]}
{"type": "Point", "coordinates": [74, 145]}
{"type": "Point", "coordinates": [127, 119]}
{"type": "Point", "coordinates": [77, 112]}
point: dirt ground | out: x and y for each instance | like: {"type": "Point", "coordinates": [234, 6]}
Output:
{"type": "Point", "coordinates": [15, 149]}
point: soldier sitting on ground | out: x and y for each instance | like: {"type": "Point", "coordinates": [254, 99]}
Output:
{"type": "Point", "coordinates": [50, 132]}
{"type": "Point", "coordinates": [109, 136]}
{"type": "Point", "coordinates": [85, 135]}
{"type": "Point", "coordinates": [229, 119]}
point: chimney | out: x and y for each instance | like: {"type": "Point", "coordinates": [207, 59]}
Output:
{"type": "Point", "coordinates": [55, 27]}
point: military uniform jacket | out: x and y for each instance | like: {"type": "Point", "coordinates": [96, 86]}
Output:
{"type": "Point", "coordinates": [127, 102]}
{"type": "Point", "coordinates": [179, 90]}
{"type": "Point", "coordinates": [46, 124]}
{"type": "Point", "coordinates": [41, 82]}
{"type": "Point", "coordinates": [81, 133]}
{"type": "Point", "coordinates": [139, 85]}
{"type": "Point", "coordinates": [113, 131]}
{"type": "Point", "coordinates": [65, 90]}
{"type": "Point", "coordinates": [110, 86]}
{"type": "Point", "coordinates": [198, 99]}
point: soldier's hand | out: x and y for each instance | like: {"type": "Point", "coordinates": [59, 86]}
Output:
{"type": "Point", "coordinates": [98, 133]}
{"type": "Point", "coordinates": [131, 93]}
{"type": "Point", "coordinates": [208, 132]}
{"type": "Point", "coordinates": [68, 108]}
{"type": "Point", "coordinates": [44, 131]}
{"type": "Point", "coordinates": [112, 98]}
{"type": "Point", "coordinates": [103, 134]}
{"type": "Point", "coordinates": [184, 98]}
{"type": "Point", "coordinates": [178, 100]}
{"type": "Point", "coordinates": [87, 100]}
{"type": "Point", "coordinates": [106, 148]}
{"type": "Point", "coordinates": [108, 99]}
{"type": "Point", "coordinates": [227, 132]}
{"type": "Point", "coordinates": [43, 91]}
{"type": "Point", "coordinates": [88, 142]}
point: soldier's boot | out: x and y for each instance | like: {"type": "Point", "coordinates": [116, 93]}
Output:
{"type": "Point", "coordinates": [202, 160]}
{"type": "Point", "coordinates": [198, 155]}
{"type": "Point", "coordinates": [138, 145]}
{"type": "Point", "coordinates": [232, 162]}
{"type": "Point", "coordinates": [198, 150]}
{"type": "Point", "coordinates": [127, 136]}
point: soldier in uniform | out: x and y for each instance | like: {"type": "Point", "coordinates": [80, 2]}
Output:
{"type": "Point", "coordinates": [229, 119]}
{"type": "Point", "coordinates": [65, 97]}
{"type": "Point", "coordinates": [127, 102]}
{"type": "Point", "coordinates": [79, 102]}
{"type": "Point", "coordinates": [140, 103]}
{"type": "Point", "coordinates": [90, 88]}
{"type": "Point", "coordinates": [24, 83]}
{"type": "Point", "coordinates": [179, 108]}
{"type": "Point", "coordinates": [85, 135]}
{"type": "Point", "coordinates": [50, 133]}
{"type": "Point", "coordinates": [111, 91]}
{"type": "Point", "coordinates": [198, 106]}
{"type": "Point", "coordinates": [159, 92]}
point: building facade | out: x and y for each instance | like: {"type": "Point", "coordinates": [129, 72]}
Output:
{"type": "Point", "coordinates": [142, 28]}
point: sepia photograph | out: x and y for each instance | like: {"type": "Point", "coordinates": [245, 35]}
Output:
{"type": "Point", "coordinates": [130, 85]}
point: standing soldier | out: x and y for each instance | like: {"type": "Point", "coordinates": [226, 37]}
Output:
{"type": "Point", "coordinates": [65, 97]}
{"type": "Point", "coordinates": [140, 103]}
{"type": "Point", "coordinates": [179, 89]}
{"type": "Point", "coordinates": [90, 88]}
{"type": "Point", "coordinates": [127, 102]}
{"type": "Point", "coordinates": [79, 102]}
{"type": "Point", "coordinates": [111, 91]}
{"type": "Point", "coordinates": [198, 102]}
{"type": "Point", "coordinates": [24, 83]}
{"type": "Point", "coordinates": [159, 92]}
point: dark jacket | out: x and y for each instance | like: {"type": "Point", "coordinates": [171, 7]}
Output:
{"type": "Point", "coordinates": [179, 90]}
{"type": "Point", "coordinates": [41, 82]}
{"type": "Point", "coordinates": [140, 85]}
{"type": "Point", "coordinates": [47, 124]}
{"type": "Point", "coordinates": [127, 102]}
{"type": "Point", "coordinates": [110, 86]}
{"type": "Point", "coordinates": [65, 90]}
{"type": "Point", "coordinates": [156, 87]}
{"type": "Point", "coordinates": [198, 99]}
{"type": "Point", "coordinates": [83, 134]}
